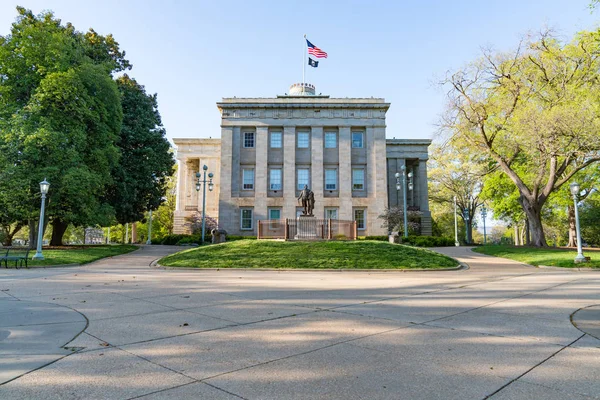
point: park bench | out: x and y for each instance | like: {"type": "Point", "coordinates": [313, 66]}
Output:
{"type": "Point", "coordinates": [15, 254]}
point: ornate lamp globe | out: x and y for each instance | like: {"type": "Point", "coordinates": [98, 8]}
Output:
{"type": "Point", "coordinates": [44, 186]}
{"type": "Point", "coordinates": [574, 188]}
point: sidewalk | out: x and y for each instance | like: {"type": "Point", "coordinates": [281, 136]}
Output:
{"type": "Point", "coordinates": [34, 334]}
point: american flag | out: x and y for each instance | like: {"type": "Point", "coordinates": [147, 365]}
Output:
{"type": "Point", "coordinates": [315, 51]}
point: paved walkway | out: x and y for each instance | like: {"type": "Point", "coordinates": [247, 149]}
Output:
{"type": "Point", "coordinates": [499, 330]}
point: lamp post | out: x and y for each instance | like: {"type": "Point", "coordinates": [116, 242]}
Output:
{"type": "Point", "coordinates": [466, 216]}
{"type": "Point", "coordinates": [44, 186]}
{"type": "Point", "coordinates": [398, 186]}
{"type": "Point", "coordinates": [575, 191]}
{"type": "Point", "coordinates": [483, 215]}
{"type": "Point", "coordinates": [149, 241]}
{"type": "Point", "coordinates": [456, 242]}
{"type": "Point", "coordinates": [202, 183]}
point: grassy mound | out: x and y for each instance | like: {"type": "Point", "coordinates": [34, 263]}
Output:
{"type": "Point", "coordinates": [541, 256]}
{"type": "Point", "coordinates": [317, 255]}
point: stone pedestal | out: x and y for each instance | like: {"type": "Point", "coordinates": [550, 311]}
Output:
{"type": "Point", "coordinates": [218, 236]}
{"type": "Point", "coordinates": [306, 228]}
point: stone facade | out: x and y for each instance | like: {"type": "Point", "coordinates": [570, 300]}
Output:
{"type": "Point", "coordinates": [271, 147]}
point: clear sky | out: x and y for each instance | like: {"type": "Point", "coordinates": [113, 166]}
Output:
{"type": "Point", "coordinates": [193, 53]}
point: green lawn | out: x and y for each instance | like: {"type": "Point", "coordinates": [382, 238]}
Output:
{"type": "Point", "coordinates": [541, 256]}
{"type": "Point", "coordinates": [75, 254]}
{"type": "Point", "coordinates": [318, 255]}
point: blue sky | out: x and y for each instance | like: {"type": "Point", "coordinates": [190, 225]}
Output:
{"type": "Point", "coordinates": [193, 53]}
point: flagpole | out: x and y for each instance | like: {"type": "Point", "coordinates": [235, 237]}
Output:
{"type": "Point", "coordinates": [303, 63]}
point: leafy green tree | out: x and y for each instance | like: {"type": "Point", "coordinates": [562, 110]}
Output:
{"type": "Point", "coordinates": [146, 164]}
{"type": "Point", "coordinates": [534, 112]}
{"type": "Point", "coordinates": [165, 213]}
{"type": "Point", "coordinates": [589, 217]}
{"type": "Point", "coordinates": [455, 171]}
{"type": "Point", "coordinates": [60, 116]}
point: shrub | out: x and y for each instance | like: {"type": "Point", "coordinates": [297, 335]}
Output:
{"type": "Point", "coordinates": [180, 239]}
{"type": "Point", "coordinates": [172, 240]}
{"type": "Point", "coordinates": [380, 238]}
{"type": "Point", "coordinates": [231, 238]}
{"type": "Point", "coordinates": [428, 241]}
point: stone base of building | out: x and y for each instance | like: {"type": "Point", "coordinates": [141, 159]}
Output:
{"type": "Point", "coordinates": [180, 224]}
{"type": "Point", "coordinates": [426, 224]}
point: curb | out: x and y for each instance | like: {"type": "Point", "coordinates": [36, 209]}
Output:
{"type": "Point", "coordinates": [48, 266]}
{"type": "Point", "coordinates": [460, 267]}
{"type": "Point", "coordinates": [586, 269]}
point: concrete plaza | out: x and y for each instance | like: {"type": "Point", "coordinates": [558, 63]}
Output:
{"type": "Point", "coordinates": [498, 330]}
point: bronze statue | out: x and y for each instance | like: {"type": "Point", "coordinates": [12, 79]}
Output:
{"type": "Point", "coordinates": [308, 201]}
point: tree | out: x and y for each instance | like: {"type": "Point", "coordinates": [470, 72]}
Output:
{"type": "Point", "coordinates": [146, 164]}
{"type": "Point", "coordinates": [456, 172]}
{"type": "Point", "coordinates": [165, 213]}
{"type": "Point", "coordinates": [534, 112]}
{"type": "Point", "coordinates": [60, 115]}
{"type": "Point", "coordinates": [588, 218]}
{"type": "Point", "coordinates": [393, 220]}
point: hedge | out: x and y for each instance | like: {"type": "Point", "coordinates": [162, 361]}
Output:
{"type": "Point", "coordinates": [418, 241]}
{"type": "Point", "coordinates": [181, 239]}
{"type": "Point", "coordinates": [428, 241]}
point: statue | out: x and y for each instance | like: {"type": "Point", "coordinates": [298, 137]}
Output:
{"type": "Point", "coordinates": [308, 201]}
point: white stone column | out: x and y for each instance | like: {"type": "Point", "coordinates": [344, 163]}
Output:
{"type": "Point", "coordinates": [316, 155]}
{"type": "Point", "coordinates": [260, 173]}
{"type": "Point", "coordinates": [289, 172]}
{"type": "Point", "coordinates": [345, 172]}
{"type": "Point", "coordinates": [181, 169]}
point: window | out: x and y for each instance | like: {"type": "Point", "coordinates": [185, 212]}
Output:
{"type": "Point", "coordinates": [248, 139]}
{"type": "Point", "coordinates": [358, 179]}
{"type": "Point", "coordinates": [246, 219]}
{"type": "Point", "coordinates": [276, 140]}
{"type": "Point", "coordinates": [357, 140]}
{"type": "Point", "coordinates": [303, 174]}
{"type": "Point", "coordinates": [359, 217]}
{"type": "Point", "coordinates": [330, 140]}
{"type": "Point", "coordinates": [330, 179]}
{"type": "Point", "coordinates": [248, 179]}
{"type": "Point", "coordinates": [275, 179]}
{"type": "Point", "coordinates": [303, 140]}
{"type": "Point", "coordinates": [331, 213]}
{"type": "Point", "coordinates": [274, 213]}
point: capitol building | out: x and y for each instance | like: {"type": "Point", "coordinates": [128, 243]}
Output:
{"type": "Point", "coordinates": [270, 148]}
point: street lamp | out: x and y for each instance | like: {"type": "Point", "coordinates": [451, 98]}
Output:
{"type": "Point", "coordinates": [456, 242]}
{"type": "Point", "coordinates": [466, 216]}
{"type": "Point", "coordinates": [149, 241]}
{"type": "Point", "coordinates": [202, 183]}
{"type": "Point", "coordinates": [483, 215]}
{"type": "Point", "coordinates": [44, 186]}
{"type": "Point", "coordinates": [403, 168]}
{"type": "Point", "coordinates": [575, 191]}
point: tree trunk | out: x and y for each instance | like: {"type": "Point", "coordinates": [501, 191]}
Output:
{"type": "Point", "coordinates": [535, 229]}
{"type": "Point", "coordinates": [572, 228]}
{"type": "Point", "coordinates": [58, 231]}
{"type": "Point", "coordinates": [134, 232]}
{"type": "Point", "coordinates": [527, 233]}
{"type": "Point", "coordinates": [33, 233]}
{"type": "Point", "coordinates": [470, 233]}
{"type": "Point", "coordinates": [10, 234]}
{"type": "Point", "coordinates": [517, 241]}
